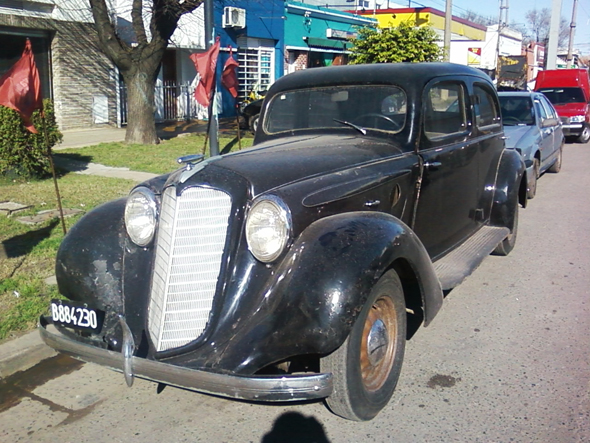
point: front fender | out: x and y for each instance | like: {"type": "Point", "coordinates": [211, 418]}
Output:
{"type": "Point", "coordinates": [318, 290]}
{"type": "Point", "coordinates": [511, 186]}
{"type": "Point", "coordinates": [89, 262]}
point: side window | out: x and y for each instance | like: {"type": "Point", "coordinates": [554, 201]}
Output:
{"type": "Point", "coordinates": [444, 112]}
{"type": "Point", "coordinates": [486, 111]}
{"type": "Point", "coordinates": [541, 110]}
{"type": "Point", "coordinates": [550, 110]}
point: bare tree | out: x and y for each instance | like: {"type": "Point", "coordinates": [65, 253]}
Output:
{"type": "Point", "coordinates": [139, 63]}
{"type": "Point", "coordinates": [538, 23]}
{"type": "Point", "coordinates": [479, 19]}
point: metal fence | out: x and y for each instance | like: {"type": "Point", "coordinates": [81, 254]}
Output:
{"type": "Point", "coordinates": [173, 102]}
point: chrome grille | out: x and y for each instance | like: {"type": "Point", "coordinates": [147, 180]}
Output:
{"type": "Point", "coordinates": [191, 237]}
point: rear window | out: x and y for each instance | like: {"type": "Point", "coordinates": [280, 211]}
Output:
{"type": "Point", "coordinates": [381, 108]}
{"type": "Point", "coordinates": [561, 96]}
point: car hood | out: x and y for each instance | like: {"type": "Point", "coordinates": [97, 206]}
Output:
{"type": "Point", "coordinates": [284, 161]}
{"type": "Point", "coordinates": [519, 136]}
{"type": "Point", "coordinates": [569, 109]}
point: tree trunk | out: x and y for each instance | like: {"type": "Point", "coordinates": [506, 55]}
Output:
{"type": "Point", "coordinates": [141, 122]}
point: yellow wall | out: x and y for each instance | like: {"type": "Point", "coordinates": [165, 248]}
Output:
{"type": "Point", "coordinates": [386, 19]}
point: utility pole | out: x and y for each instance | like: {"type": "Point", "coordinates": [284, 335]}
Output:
{"type": "Point", "coordinates": [570, 46]}
{"type": "Point", "coordinates": [448, 22]}
{"type": "Point", "coordinates": [502, 23]}
{"type": "Point", "coordinates": [553, 34]}
{"type": "Point", "coordinates": [209, 40]}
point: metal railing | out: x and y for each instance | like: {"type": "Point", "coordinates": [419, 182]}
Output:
{"type": "Point", "coordinates": [173, 102]}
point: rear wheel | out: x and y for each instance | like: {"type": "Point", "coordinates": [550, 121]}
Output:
{"type": "Point", "coordinates": [367, 366]}
{"type": "Point", "coordinates": [532, 189]}
{"type": "Point", "coordinates": [507, 245]}
{"type": "Point", "coordinates": [254, 123]}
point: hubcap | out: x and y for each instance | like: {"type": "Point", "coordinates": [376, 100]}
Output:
{"type": "Point", "coordinates": [378, 343]}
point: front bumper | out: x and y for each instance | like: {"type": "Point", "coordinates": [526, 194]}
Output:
{"type": "Point", "coordinates": [571, 129]}
{"type": "Point", "coordinates": [281, 388]}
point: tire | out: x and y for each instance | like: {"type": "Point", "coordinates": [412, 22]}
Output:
{"type": "Point", "coordinates": [556, 167]}
{"type": "Point", "coordinates": [532, 189]}
{"type": "Point", "coordinates": [584, 137]}
{"type": "Point", "coordinates": [367, 366]}
{"type": "Point", "coordinates": [254, 123]}
{"type": "Point", "coordinates": [507, 245]}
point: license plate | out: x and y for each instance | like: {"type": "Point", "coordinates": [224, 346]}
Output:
{"type": "Point", "coordinates": [76, 315]}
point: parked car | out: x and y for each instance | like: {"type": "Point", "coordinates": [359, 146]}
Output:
{"type": "Point", "coordinates": [291, 271]}
{"type": "Point", "coordinates": [533, 128]}
{"type": "Point", "coordinates": [250, 114]}
{"type": "Point", "coordinates": [569, 91]}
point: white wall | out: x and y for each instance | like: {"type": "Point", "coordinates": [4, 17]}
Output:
{"type": "Point", "coordinates": [510, 44]}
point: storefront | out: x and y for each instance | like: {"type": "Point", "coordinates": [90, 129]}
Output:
{"type": "Point", "coordinates": [316, 36]}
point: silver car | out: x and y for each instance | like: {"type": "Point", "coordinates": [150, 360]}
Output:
{"type": "Point", "coordinates": [532, 127]}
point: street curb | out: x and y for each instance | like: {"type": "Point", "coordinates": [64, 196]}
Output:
{"type": "Point", "coordinates": [23, 353]}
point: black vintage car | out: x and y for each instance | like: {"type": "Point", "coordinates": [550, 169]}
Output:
{"type": "Point", "coordinates": [292, 271]}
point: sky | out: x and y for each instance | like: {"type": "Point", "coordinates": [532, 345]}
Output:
{"type": "Point", "coordinates": [516, 13]}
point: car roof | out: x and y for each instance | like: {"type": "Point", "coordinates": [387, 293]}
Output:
{"type": "Point", "coordinates": [518, 94]}
{"type": "Point", "coordinates": [417, 74]}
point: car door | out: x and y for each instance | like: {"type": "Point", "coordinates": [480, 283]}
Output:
{"type": "Point", "coordinates": [447, 201]}
{"type": "Point", "coordinates": [488, 134]}
{"type": "Point", "coordinates": [556, 132]}
{"type": "Point", "coordinates": [546, 143]}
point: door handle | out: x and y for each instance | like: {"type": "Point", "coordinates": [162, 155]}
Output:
{"type": "Point", "coordinates": [432, 165]}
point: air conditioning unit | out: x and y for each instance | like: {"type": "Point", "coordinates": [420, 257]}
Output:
{"type": "Point", "coordinates": [234, 17]}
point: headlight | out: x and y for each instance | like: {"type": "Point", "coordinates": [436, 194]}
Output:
{"type": "Point", "coordinates": [268, 228]}
{"type": "Point", "coordinates": [577, 119]}
{"type": "Point", "coordinates": [140, 216]}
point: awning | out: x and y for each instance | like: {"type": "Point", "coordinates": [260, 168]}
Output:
{"type": "Point", "coordinates": [342, 45]}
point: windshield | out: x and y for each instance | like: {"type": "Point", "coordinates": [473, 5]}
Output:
{"type": "Point", "coordinates": [516, 111]}
{"type": "Point", "coordinates": [561, 96]}
{"type": "Point", "coordinates": [381, 108]}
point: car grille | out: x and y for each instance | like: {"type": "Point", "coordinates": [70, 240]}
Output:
{"type": "Point", "coordinates": [191, 238]}
{"type": "Point", "coordinates": [564, 120]}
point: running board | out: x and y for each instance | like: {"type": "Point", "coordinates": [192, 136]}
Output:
{"type": "Point", "coordinates": [454, 267]}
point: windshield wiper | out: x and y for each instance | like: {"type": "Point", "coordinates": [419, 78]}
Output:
{"type": "Point", "coordinates": [352, 125]}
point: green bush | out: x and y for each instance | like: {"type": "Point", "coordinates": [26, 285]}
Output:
{"type": "Point", "coordinates": [22, 152]}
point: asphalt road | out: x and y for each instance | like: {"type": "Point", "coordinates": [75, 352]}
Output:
{"type": "Point", "coordinates": [506, 360]}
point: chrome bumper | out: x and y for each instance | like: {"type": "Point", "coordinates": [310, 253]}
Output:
{"type": "Point", "coordinates": [254, 388]}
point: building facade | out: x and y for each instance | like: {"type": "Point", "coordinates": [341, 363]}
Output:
{"type": "Point", "coordinates": [273, 38]}
{"type": "Point", "coordinates": [73, 70]}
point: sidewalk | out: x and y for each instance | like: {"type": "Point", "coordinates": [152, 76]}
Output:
{"type": "Point", "coordinates": [87, 137]}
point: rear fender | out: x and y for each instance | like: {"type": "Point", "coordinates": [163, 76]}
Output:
{"type": "Point", "coordinates": [511, 187]}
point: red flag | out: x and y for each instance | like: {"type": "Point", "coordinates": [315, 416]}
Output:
{"type": "Point", "coordinates": [205, 64]}
{"type": "Point", "coordinates": [20, 87]}
{"type": "Point", "coordinates": [229, 79]}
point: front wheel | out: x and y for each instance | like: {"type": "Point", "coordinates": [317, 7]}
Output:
{"type": "Point", "coordinates": [532, 189]}
{"type": "Point", "coordinates": [367, 366]}
{"type": "Point", "coordinates": [584, 137]}
{"type": "Point", "coordinates": [556, 167]}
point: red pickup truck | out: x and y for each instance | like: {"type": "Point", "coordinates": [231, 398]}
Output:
{"type": "Point", "coordinates": [569, 91]}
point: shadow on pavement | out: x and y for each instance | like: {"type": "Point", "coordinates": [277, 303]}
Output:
{"type": "Point", "coordinates": [293, 427]}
